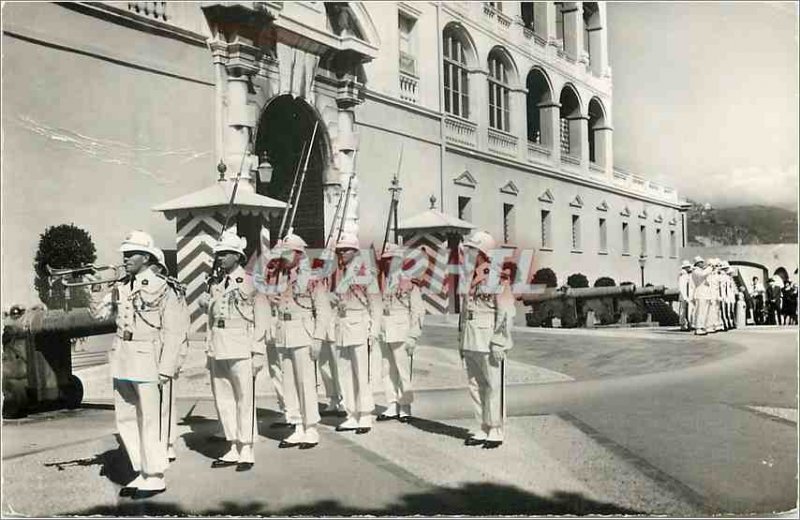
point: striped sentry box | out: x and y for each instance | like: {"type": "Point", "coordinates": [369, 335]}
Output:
{"type": "Point", "coordinates": [197, 235]}
{"type": "Point", "coordinates": [435, 247]}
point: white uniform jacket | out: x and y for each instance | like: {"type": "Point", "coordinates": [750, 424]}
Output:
{"type": "Point", "coordinates": [303, 311]}
{"type": "Point", "coordinates": [151, 327]}
{"type": "Point", "coordinates": [486, 318]}
{"type": "Point", "coordinates": [686, 286]}
{"type": "Point", "coordinates": [702, 283]}
{"type": "Point", "coordinates": [402, 313]}
{"type": "Point", "coordinates": [356, 312]}
{"type": "Point", "coordinates": [231, 318]}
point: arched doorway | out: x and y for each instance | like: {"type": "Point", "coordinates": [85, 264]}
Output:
{"type": "Point", "coordinates": [285, 127]}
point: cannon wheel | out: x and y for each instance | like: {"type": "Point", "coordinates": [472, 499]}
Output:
{"type": "Point", "coordinates": [72, 393]}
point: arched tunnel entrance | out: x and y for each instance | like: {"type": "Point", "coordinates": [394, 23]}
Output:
{"type": "Point", "coordinates": [285, 128]}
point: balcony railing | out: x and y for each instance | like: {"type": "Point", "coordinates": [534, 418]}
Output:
{"type": "Point", "coordinates": [502, 143]}
{"type": "Point", "coordinates": [597, 169]}
{"type": "Point", "coordinates": [570, 159]}
{"type": "Point", "coordinates": [538, 153]}
{"type": "Point", "coordinates": [460, 131]}
{"type": "Point", "coordinates": [184, 15]}
{"type": "Point", "coordinates": [156, 10]}
{"type": "Point", "coordinates": [408, 87]}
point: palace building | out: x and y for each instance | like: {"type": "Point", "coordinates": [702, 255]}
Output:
{"type": "Point", "coordinates": [125, 115]}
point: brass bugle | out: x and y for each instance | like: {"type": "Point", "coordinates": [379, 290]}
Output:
{"type": "Point", "coordinates": [75, 272]}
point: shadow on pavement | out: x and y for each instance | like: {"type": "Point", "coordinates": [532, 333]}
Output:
{"type": "Point", "coordinates": [114, 464]}
{"type": "Point", "coordinates": [428, 426]}
{"type": "Point", "coordinates": [202, 429]}
{"type": "Point", "coordinates": [469, 499]}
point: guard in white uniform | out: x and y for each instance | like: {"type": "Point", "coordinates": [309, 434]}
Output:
{"type": "Point", "coordinates": [486, 318]}
{"type": "Point", "coordinates": [143, 358]}
{"type": "Point", "coordinates": [355, 308]}
{"type": "Point", "coordinates": [169, 417]}
{"type": "Point", "coordinates": [703, 297]}
{"type": "Point", "coordinates": [236, 355]}
{"type": "Point", "coordinates": [401, 326]}
{"type": "Point", "coordinates": [303, 313]}
{"type": "Point", "coordinates": [686, 292]}
{"type": "Point", "coordinates": [266, 307]}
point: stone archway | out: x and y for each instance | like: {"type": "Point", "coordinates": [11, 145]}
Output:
{"type": "Point", "coordinates": [285, 127]}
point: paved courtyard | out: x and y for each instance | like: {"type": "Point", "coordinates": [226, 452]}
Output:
{"type": "Point", "coordinates": [603, 422]}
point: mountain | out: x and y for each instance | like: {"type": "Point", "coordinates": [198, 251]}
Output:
{"type": "Point", "coordinates": [741, 225]}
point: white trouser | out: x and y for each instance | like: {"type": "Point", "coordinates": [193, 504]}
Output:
{"type": "Point", "coordinates": [233, 379]}
{"type": "Point", "coordinates": [303, 390]}
{"type": "Point", "coordinates": [702, 315]}
{"type": "Point", "coordinates": [354, 380]}
{"type": "Point", "coordinates": [169, 416]}
{"type": "Point", "coordinates": [484, 383]}
{"type": "Point", "coordinates": [138, 415]}
{"type": "Point", "coordinates": [291, 400]}
{"type": "Point", "coordinates": [329, 370]}
{"type": "Point", "coordinates": [397, 374]}
{"type": "Point", "coordinates": [683, 314]}
{"type": "Point", "coordinates": [275, 367]}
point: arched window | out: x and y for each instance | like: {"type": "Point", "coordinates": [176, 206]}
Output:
{"type": "Point", "coordinates": [570, 108]}
{"type": "Point", "coordinates": [596, 120]}
{"type": "Point", "coordinates": [591, 17]}
{"type": "Point", "coordinates": [499, 92]}
{"type": "Point", "coordinates": [538, 93]}
{"type": "Point", "coordinates": [456, 80]}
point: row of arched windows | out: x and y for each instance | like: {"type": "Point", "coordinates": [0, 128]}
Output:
{"type": "Point", "coordinates": [460, 56]}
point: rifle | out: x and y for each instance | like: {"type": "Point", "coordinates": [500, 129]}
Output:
{"type": "Point", "coordinates": [303, 175]}
{"type": "Point", "coordinates": [394, 189]}
{"type": "Point", "coordinates": [291, 192]}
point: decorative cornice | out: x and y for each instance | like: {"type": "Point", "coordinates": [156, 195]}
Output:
{"type": "Point", "coordinates": [603, 206]}
{"type": "Point", "coordinates": [466, 179]}
{"type": "Point", "coordinates": [577, 202]}
{"type": "Point", "coordinates": [510, 189]}
{"type": "Point", "coordinates": [547, 196]}
{"type": "Point", "coordinates": [626, 212]}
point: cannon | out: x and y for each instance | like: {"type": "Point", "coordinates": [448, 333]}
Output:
{"type": "Point", "coordinates": [37, 358]}
{"type": "Point", "coordinates": [626, 303]}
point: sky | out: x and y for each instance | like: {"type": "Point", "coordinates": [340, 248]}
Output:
{"type": "Point", "coordinates": [706, 98]}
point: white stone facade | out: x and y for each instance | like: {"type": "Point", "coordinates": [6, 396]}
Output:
{"type": "Point", "coordinates": [372, 75]}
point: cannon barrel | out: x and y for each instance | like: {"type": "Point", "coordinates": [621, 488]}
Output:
{"type": "Point", "coordinates": [629, 291]}
{"type": "Point", "coordinates": [76, 323]}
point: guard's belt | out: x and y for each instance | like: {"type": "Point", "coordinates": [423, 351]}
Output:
{"type": "Point", "coordinates": [229, 324]}
{"type": "Point", "coordinates": [296, 315]}
{"type": "Point", "coordinates": [142, 336]}
{"type": "Point", "coordinates": [352, 312]}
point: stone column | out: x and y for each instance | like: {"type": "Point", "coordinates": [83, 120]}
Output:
{"type": "Point", "coordinates": [604, 149]}
{"type": "Point", "coordinates": [347, 147]}
{"type": "Point", "coordinates": [579, 139]}
{"type": "Point", "coordinates": [550, 118]}
{"type": "Point", "coordinates": [479, 104]}
{"type": "Point", "coordinates": [550, 34]}
{"type": "Point", "coordinates": [241, 67]}
{"type": "Point", "coordinates": [543, 19]}
{"type": "Point", "coordinates": [518, 112]}
{"type": "Point", "coordinates": [573, 30]}
{"type": "Point", "coordinates": [598, 41]}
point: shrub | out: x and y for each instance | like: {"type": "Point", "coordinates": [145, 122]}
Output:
{"type": "Point", "coordinates": [626, 283]}
{"type": "Point", "coordinates": [62, 246]}
{"type": "Point", "coordinates": [577, 281]}
{"type": "Point", "coordinates": [605, 281]}
{"type": "Point", "coordinates": [545, 276]}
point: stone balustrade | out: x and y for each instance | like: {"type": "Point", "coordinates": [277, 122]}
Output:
{"type": "Point", "coordinates": [460, 131]}
{"type": "Point", "coordinates": [502, 143]}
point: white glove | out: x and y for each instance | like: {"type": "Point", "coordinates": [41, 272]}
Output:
{"type": "Point", "coordinates": [411, 345]}
{"type": "Point", "coordinates": [316, 347]}
{"type": "Point", "coordinates": [498, 354]}
{"type": "Point", "coordinates": [258, 362]}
